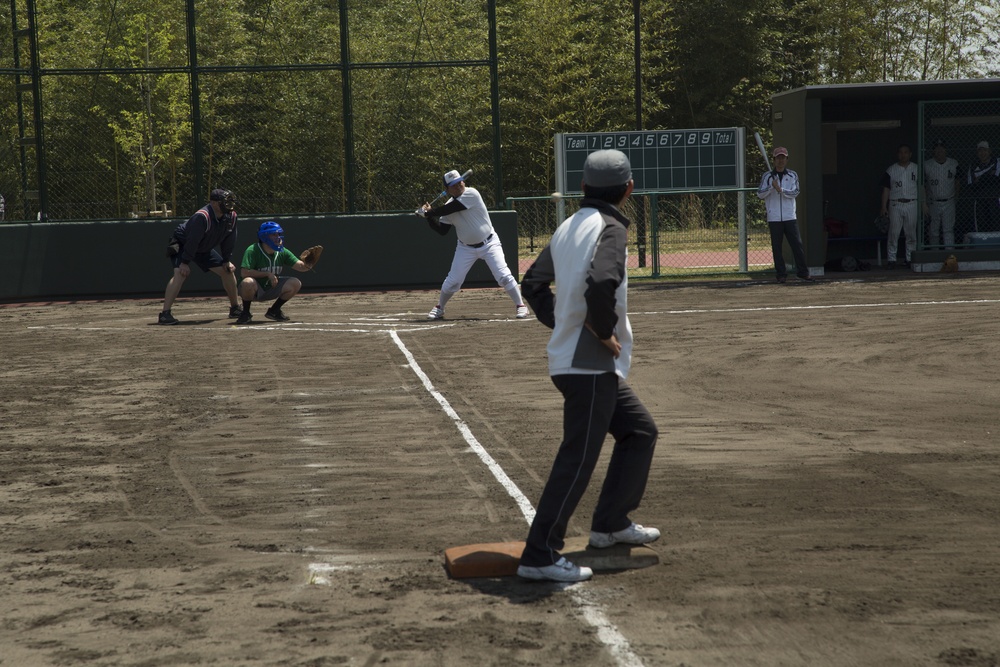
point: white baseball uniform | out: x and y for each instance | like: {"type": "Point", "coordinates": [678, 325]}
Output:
{"type": "Point", "coordinates": [903, 209]}
{"type": "Point", "coordinates": [476, 240]}
{"type": "Point", "coordinates": [940, 179]}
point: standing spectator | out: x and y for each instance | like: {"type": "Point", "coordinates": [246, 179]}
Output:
{"type": "Point", "coordinates": [590, 352]}
{"type": "Point", "coordinates": [899, 203]}
{"type": "Point", "coordinates": [941, 184]}
{"type": "Point", "coordinates": [779, 188]}
{"type": "Point", "coordinates": [466, 212]}
{"type": "Point", "coordinates": [195, 240]}
{"type": "Point", "coordinates": [984, 185]}
{"type": "Point", "coordinates": [3, 208]}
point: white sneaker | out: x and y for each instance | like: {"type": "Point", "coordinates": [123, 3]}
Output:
{"type": "Point", "coordinates": [437, 313]}
{"type": "Point", "coordinates": [522, 312]}
{"type": "Point", "coordinates": [634, 534]}
{"type": "Point", "coordinates": [561, 570]}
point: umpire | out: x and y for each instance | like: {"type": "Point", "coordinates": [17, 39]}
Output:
{"type": "Point", "coordinates": [195, 241]}
{"type": "Point", "coordinates": [590, 352]}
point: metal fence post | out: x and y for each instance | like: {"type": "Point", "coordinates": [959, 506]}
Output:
{"type": "Point", "coordinates": [654, 227]}
{"type": "Point", "coordinates": [742, 199]}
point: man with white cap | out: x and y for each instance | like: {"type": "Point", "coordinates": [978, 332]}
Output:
{"type": "Point", "coordinates": [590, 352]}
{"type": "Point", "coordinates": [466, 212]}
{"type": "Point", "coordinates": [779, 188]}
{"type": "Point", "coordinates": [984, 185]}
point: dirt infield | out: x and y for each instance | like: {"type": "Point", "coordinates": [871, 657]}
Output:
{"type": "Point", "coordinates": [827, 481]}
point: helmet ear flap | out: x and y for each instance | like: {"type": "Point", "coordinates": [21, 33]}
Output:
{"type": "Point", "coordinates": [268, 229]}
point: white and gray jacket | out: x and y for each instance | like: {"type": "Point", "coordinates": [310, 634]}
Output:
{"type": "Point", "coordinates": [780, 205]}
{"type": "Point", "coordinates": [586, 259]}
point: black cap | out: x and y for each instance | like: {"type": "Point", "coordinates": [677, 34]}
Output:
{"type": "Point", "coordinates": [939, 142]}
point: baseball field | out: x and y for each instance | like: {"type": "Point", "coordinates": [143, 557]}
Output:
{"type": "Point", "coordinates": [827, 481]}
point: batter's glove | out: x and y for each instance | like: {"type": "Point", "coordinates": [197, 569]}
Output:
{"type": "Point", "coordinates": [421, 212]}
{"type": "Point", "coordinates": [311, 255]}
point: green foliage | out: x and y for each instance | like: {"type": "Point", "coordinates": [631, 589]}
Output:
{"type": "Point", "coordinates": [123, 140]}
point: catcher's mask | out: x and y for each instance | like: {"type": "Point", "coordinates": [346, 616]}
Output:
{"type": "Point", "coordinates": [265, 232]}
{"type": "Point", "coordinates": [226, 198]}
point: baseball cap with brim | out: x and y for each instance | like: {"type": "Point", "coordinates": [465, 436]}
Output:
{"type": "Point", "coordinates": [780, 150]}
{"type": "Point", "coordinates": [940, 142]}
{"type": "Point", "coordinates": [606, 169]}
{"type": "Point", "coordinates": [452, 177]}
{"type": "Point", "coordinates": [983, 144]}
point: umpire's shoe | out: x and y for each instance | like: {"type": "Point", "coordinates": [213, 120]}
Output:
{"type": "Point", "coordinates": [166, 318]}
{"type": "Point", "coordinates": [244, 318]}
{"type": "Point", "coordinates": [235, 310]}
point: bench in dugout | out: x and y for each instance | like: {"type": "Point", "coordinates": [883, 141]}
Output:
{"type": "Point", "coordinates": [838, 232]}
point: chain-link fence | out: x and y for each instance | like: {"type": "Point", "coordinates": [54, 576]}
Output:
{"type": "Point", "coordinates": [672, 234]}
{"type": "Point", "coordinates": [134, 108]}
{"type": "Point", "coordinates": [959, 173]}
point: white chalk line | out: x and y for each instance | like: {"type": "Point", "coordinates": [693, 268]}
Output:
{"type": "Point", "coordinates": [607, 633]}
{"type": "Point", "coordinates": [831, 306]}
{"type": "Point", "coordinates": [354, 325]}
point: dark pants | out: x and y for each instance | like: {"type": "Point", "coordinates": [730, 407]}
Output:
{"type": "Point", "coordinates": [787, 229]}
{"type": "Point", "coordinates": [594, 405]}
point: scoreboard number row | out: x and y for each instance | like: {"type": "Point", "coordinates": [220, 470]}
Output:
{"type": "Point", "coordinates": [662, 160]}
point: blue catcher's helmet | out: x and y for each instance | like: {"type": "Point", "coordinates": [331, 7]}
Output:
{"type": "Point", "coordinates": [266, 230]}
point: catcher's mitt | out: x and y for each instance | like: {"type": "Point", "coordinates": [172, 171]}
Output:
{"type": "Point", "coordinates": [882, 223]}
{"type": "Point", "coordinates": [311, 255]}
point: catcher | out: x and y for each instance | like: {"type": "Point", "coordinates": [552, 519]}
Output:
{"type": "Point", "coordinates": [261, 270]}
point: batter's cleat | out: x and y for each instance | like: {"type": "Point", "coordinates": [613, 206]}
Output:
{"type": "Point", "coordinates": [561, 570]}
{"type": "Point", "coordinates": [235, 311]}
{"type": "Point", "coordinates": [276, 315]}
{"type": "Point", "coordinates": [634, 534]}
{"type": "Point", "coordinates": [166, 318]}
{"type": "Point", "coordinates": [244, 318]}
{"type": "Point", "coordinates": [807, 278]}
{"type": "Point", "coordinates": [522, 312]}
{"type": "Point", "coordinates": [437, 313]}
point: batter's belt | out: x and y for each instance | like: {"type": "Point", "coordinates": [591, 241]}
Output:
{"type": "Point", "coordinates": [480, 244]}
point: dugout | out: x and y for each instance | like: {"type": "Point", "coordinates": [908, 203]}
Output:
{"type": "Point", "coordinates": [128, 258]}
{"type": "Point", "coordinates": [841, 138]}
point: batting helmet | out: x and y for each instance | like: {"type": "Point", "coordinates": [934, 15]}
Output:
{"type": "Point", "coordinates": [266, 230]}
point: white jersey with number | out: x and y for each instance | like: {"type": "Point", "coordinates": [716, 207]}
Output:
{"type": "Point", "coordinates": [940, 178]}
{"type": "Point", "coordinates": [902, 181]}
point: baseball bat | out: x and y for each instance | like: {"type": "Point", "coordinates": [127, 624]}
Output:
{"type": "Point", "coordinates": [445, 191]}
{"type": "Point", "coordinates": [763, 151]}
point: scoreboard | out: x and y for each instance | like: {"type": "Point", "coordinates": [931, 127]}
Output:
{"type": "Point", "coordinates": [662, 160]}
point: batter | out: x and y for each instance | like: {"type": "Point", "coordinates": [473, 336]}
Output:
{"type": "Point", "coordinates": [466, 212]}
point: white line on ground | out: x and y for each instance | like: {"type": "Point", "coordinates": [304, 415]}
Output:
{"type": "Point", "coordinates": [353, 326]}
{"type": "Point", "coordinates": [591, 612]}
{"type": "Point", "coordinates": [894, 304]}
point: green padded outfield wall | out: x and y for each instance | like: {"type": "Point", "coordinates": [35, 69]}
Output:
{"type": "Point", "coordinates": [127, 258]}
